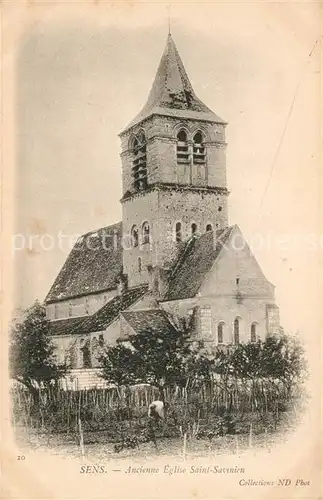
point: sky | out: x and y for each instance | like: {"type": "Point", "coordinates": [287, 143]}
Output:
{"type": "Point", "coordinates": [83, 74]}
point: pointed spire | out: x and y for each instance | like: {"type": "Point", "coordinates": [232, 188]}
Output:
{"type": "Point", "coordinates": [172, 93]}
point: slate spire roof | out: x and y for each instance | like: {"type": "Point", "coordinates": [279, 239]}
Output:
{"type": "Point", "coordinates": [172, 93]}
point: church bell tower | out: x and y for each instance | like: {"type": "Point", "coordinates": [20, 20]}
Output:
{"type": "Point", "coordinates": [173, 171]}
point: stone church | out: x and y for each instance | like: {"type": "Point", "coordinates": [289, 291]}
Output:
{"type": "Point", "coordinates": [174, 257]}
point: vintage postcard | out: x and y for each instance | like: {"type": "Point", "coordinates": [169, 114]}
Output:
{"type": "Point", "coordinates": [161, 250]}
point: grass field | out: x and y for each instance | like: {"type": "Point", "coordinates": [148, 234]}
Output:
{"type": "Point", "coordinates": [98, 445]}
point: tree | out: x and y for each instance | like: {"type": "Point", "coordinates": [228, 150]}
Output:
{"type": "Point", "coordinates": [162, 359]}
{"type": "Point", "coordinates": [31, 352]}
{"type": "Point", "coordinates": [283, 358]}
{"type": "Point", "coordinates": [152, 357]}
{"type": "Point", "coordinates": [120, 365]}
{"type": "Point", "coordinates": [246, 360]}
{"type": "Point", "coordinates": [198, 364]}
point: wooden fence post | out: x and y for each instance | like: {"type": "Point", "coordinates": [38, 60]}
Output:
{"type": "Point", "coordinates": [250, 436]}
{"type": "Point", "coordinates": [184, 446]}
{"type": "Point", "coordinates": [81, 438]}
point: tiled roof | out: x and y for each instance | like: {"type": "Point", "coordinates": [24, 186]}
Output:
{"type": "Point", "coordinates": [102, 318]}
{"type": "Point", "coordinates": [172, 93]}
{"type": "Point", "coordinates": [64, 326]}
{"type": "Point", "coordinates": [108, 313]}
{"type": "Point", "coordinates": [153, 320]}
{"type": "Point", "coordinates": [194, 263]}
{"type": "Point", "coordinates": [93, 265]}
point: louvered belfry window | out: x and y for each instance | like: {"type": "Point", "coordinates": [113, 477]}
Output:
{"type": "Point", "coordinates": [182, 147]}
{"type": "Point", "coordinates": [198, 149]}
{"type": "Point", "coordinates": [139, 165]}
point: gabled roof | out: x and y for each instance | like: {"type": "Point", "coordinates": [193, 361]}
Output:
{"type": "Point", "coordinates": [153, 320]}
{"type": "Point", "coordinates": [194, 263]}
{"type": "Point", "coordinates": [93, 265]}
{"type": "Point", "coordinates": [172, 93]}
{"type": "Point", "coordinates": [102, 318]}
{"type": "Point", "coordinates": [108, 313]}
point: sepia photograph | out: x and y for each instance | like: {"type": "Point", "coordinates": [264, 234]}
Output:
{"type": "Point", "coordinates": [163, 250]}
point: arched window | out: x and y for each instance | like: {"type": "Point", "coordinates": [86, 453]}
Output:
{"type": "Point", "coordinates": [182, 147]}
{"type": "Point", "coordinates": [220, 333]}
{"type": "Point", "coordinates": [134, 236]}
{"type": "Point", "coordinates": [139, 264]}
{"type": "Point", "coordinates": [194, 228]}
{"type": "Point", "coordinates": [253, 332]}
{"type": "Point", "coordinates": [145, 233]}
{"type": "Point", "coordinates": [198, 149]}
{"type": "Point", "coordinates": [86, 353]}
{"type": "Point", "coordinates": [70, 357]}
{"type": "Point", "coordinates": [95, 351]}
{"type": "Point", "coordinates": [236, 331]}
{"type": "Point", "coordinates": [178, 232]}
{"type": "Point", "coordinates": [208, 227]}
{"type": "Point", "coordinates": [139, 164]}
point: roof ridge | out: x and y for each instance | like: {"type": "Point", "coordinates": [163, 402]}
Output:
{"type": "Point", "coordinates": [102, 228]}
{"type": "Point", "coordinates": [115, 300]}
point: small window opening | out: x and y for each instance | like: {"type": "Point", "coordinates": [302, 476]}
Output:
{"type": "Point", "coordinates": [237, 281]}
{"type": "Point", "coordinates": [178, 232]}
{"type": "Point", "coordinates": [236, 331]}
{"type": "Point", "coordinates": [253, 332]}
{"type": "Point", "coordinates": [182, 147]}
{"type": "Point", "coordinates": [134, 236]}
{"type": "Point", "coordinates": [139, 164]}
{"type": "Point", "coordinates": [145, 233]}
{"type": "Point", "coordinates": [220, 209]}
{"type": "Point", "coordinates": [194, 228]}
{"type": "Point", "coordinates": [139, 264]}
{"type": "Point", "coordinates": [86, 354]}
{"type": "Point", "coordinates": [220, 333]}
{"type": "Point", "coordinates": [198, 149]}
{"type": "Point", "coordinates": [208, 227]}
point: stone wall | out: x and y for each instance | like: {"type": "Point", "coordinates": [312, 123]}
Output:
{"type": "Point", "coordinates": [161, 136]}
{"type": "Point", "coordinates": [81, 379]}
{"type": "Point", "coordinates": [162, 209]}
{"type": "Point", "coordinates": [79, 306]}
{"type": "Point", "coordinates": [224, 310]}
{"type": "Point", "coordinates": [234, 288]}
{"type": "Point", "coordinates": [69, 347]}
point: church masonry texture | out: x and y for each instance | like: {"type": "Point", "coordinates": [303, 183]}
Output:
{"type": "Point", "coordinates": [174, 257]}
